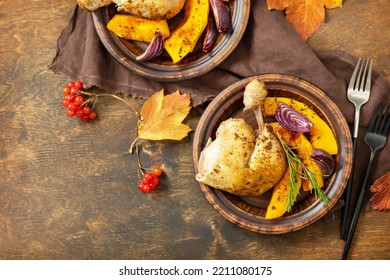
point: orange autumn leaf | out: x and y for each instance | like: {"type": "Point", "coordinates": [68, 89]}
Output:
{"type": "Point", "coordinates": [305, 16]}
{"type": "Point", "coordinates": [161, 116]}
{"type": "Point", "coordinates": [381, 188]}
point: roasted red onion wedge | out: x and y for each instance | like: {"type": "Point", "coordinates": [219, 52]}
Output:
{"type": "Point", "coordinates": [210, 35]}
{"type": "Point", "coordinates": [324, 160]}
{"type": "Point", "coordinates": [221, 15]}
{"type": "Point", "coordinates": [154, 49]}
{"type": "Point", "coordinates": [291, 119]}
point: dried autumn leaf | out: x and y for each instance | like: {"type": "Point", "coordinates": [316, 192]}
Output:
{"type": "Point", "coordinates": [305, 16]}
{"type": "Point", "coordinates": [161, 116]}
{"type": "Point", "coordinates": [381, 188]}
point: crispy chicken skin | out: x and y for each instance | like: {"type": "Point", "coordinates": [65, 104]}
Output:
{"type": "Point", "coordinates": [92, 5]}
{"type": "Point", "coordinates": [240, 160]}
{"type": "Point", "coordinates": [151, 9]}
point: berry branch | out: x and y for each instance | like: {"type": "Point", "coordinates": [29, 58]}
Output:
{"type": "Point", "coordinates": [76, 103]}
{"type": "Point", "coordinates": [148, 178]}
{"type": "Point", "coordinates": [81, 103]}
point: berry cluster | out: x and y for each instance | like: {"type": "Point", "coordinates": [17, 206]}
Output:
{"type": "Point", "coordinates": [150, 180]}
{"type": "Point", "coordinates": [76, 103]}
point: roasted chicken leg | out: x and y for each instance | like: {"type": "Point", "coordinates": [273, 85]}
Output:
{"type": "Point", "coordinates": [151, 9]}
{"type": "Point", "coordinates": [240, 160]}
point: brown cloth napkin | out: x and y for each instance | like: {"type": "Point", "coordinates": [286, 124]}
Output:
{"type": "Point", "coordinates": [269, 45]}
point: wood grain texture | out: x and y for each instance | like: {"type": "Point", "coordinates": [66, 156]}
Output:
{"type": "Point", "coordinates": [359, 27]}
{"type": "Point", "coordinates": [68, 190]}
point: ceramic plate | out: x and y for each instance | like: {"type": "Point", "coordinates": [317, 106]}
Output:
{"type": "Point", "coordinates": [249, 212]}
{"type": "Point", "coordinates": [193, 65]}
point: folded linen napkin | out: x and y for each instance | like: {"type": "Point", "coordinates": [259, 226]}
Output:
{"type": "Point", "coordinates": [269, 45]}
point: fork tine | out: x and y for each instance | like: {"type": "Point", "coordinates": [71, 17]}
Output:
{"type": "Point", "coordinates": [384, 129]}
{"type": "Point", "coordinates": [380, 122]}
{"type": "Point", "coordinates": [360, 75]}
{"type": "Point", "coordinates": [387, 126]}
{"type": "Point", "coordinates": [368, 77]}
{"type": "Point", "coordinates": [373, 124]}
{"type": "Point", "coordinates": [352, 81]}
{"type": "Point", "coordinates": [373, 120]}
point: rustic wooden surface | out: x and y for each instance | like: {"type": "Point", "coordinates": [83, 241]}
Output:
{"type": "Point", "coordinates": [68, 190]}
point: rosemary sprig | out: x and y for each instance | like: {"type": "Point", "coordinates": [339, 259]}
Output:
{"type": "Point", "coordinates": [295, 164]}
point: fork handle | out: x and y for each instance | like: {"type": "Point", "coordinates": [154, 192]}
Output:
{"type": "Point", "coordinates": [358, 208]}
{"type": "Point", "coordinates": [344, 219]}
{"type": "Point", "coordinates": [356, 121]}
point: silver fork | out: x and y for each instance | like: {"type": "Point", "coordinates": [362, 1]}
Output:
{"type": "Point", "coordinates": [376, 137]}
{"type": "Point", "coordinates": [358, 93]}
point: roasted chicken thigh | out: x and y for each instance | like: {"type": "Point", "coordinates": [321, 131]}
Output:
{"type": "Point", "coordinates": [151, 9]}
{"type": "Point", "coordinates": [241, 160]}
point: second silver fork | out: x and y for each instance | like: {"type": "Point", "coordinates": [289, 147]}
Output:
{"type": "Point", "coordinates": [358, 93]}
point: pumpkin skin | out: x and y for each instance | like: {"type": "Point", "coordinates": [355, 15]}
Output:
{"type": "Point", "coordinates": [321, 135]}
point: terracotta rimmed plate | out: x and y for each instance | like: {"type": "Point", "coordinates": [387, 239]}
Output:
{"type": "Point", "coordinates": [247, 212]}
{"type": "Point", "coordinates": [162, 68]}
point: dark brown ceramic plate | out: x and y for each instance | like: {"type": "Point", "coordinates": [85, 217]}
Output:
{"type": "Point", "coordinates": [163, 69]}
{"type": "Point", "coordinates": [249, 212]}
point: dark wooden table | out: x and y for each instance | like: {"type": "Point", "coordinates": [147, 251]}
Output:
{"type": "Point", "coordinates": [68, 190]}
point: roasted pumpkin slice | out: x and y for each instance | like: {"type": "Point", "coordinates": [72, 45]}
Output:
{"type": "Point", "coordinates": [304, 150]}
{"type": "Point", "coordinates": [185, 36]}
{"type": "Point", "coordinates": [283, 195]}
{"type": "Point", "coordinates": [136, 28]}
{"type": "Point", "coordinates": [321, 135]}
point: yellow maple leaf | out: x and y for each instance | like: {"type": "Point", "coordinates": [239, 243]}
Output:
{"type": "Point", "coordinates": [305, 16]}
{"type": "Point", "coordinates": [161, 117]}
